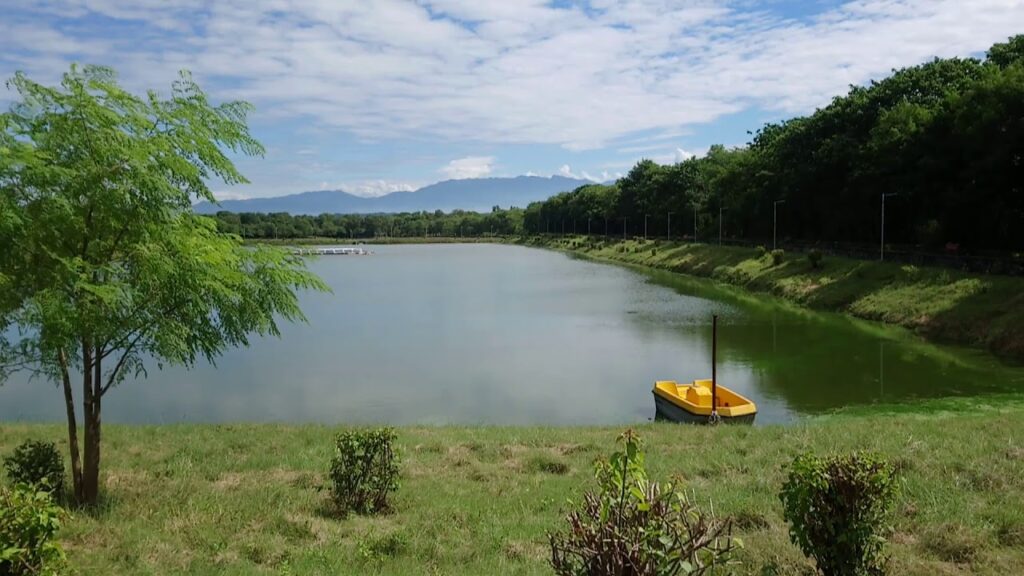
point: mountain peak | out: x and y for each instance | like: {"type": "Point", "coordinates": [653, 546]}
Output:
{"type": "Point", "coordinates": [474, 194]}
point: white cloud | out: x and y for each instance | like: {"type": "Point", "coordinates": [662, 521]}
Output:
{"type": "Point", "coordinates": [468, 167]}
{"type": "Point", "coordinates": [522, 72]}
{"type": "Point", "coordinates": [374, 188]}
{"type": "Point", "coordinates": [566, 171]}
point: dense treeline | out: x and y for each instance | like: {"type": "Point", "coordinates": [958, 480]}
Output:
{"type": "Point", "coordinates": [944, 141]}
{"type": "Point", "coordinates": [946, 138]}
{"type": "Point", "coordinates": [355, 226]}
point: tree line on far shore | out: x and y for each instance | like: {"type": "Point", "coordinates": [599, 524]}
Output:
{"type": "Point", "coordinates": [942, 141]}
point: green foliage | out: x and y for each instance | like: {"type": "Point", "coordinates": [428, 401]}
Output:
{"type": "Point", "coordinates": [814, 256]}
{"type": "Point", "coordinates": [364, 471]}
{"type": "Point", "coordinates": [36, 463]}
{"type": "Point", "coordinates": [837, 508]}
{"type": "Point", "coordinates": [635, 526]}
{"type": "Point", "coordinates": [761, 251]}
{"type": "Point", "coordinates": [945, 135]}
{"type": "Point", "coordinates": [778, 255]}
{"type": "Point", "coordinates": [29, 522]}
{"type": "Point", "coordinates": [104, 263]}
{"type": "Point", "coordinates": [454, 224]}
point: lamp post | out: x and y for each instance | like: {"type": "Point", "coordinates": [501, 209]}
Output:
{"type": "Point", "coordinates": [775, 220]}
{"type": "Point", "coordinates": [670, 226]}
{"type": "Point", "coordinates": [881, 253]}
{"type": "Point", "coordinates": [588, 226]}
{"type": "Point", "coordinates": [624, 219]}
{"type": "Point", "coordinates": [694, 222]}
{"type": "Point", "coordinates": [645, 226]}
{"type": "Point", "coordinates": [720, 209]}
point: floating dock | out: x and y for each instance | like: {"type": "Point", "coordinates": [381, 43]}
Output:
{"type": "Point", "coordinates": [331, 252]}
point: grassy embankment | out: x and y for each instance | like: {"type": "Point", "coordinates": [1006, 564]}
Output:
{"type": "Point", "coordinates": [246, 499]}
{"type": "Point", "coordinates": [941, 304]}
{"type": "Point", "coordinates": [318, 241]}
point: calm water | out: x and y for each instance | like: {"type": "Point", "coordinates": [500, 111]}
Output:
{"type": "Point", "coordinates": [511, 335]}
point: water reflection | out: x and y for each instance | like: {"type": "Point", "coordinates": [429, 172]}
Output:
{"type": "Point", "coordinates": [510, 335]}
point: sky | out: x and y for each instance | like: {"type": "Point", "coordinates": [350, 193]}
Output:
{"type": "Point", "coordinates": [377, 96]}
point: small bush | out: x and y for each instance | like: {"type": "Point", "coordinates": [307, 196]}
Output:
{"type": "Point", "coordinates": [364, 470]}
{"type": "Point", "coordinates": [36, 463]}
{"type": "Point", "coordinates": [814, 256]}
{"type": "Point", "coordinates": [547, 465]}
{"type": "Point", "coordinates": [778, 256]}
{"type": "Point", "coordinates": [29, 521]}
{"type": "Point", "coordinates": [761, 251]}
{"type": "Point", "coordinates": [837, 509]}
{"type": "Point", "coordinates": [635, 526]}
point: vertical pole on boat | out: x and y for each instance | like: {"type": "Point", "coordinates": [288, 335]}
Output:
{"type": "Point", "coordinates": [714, 367]}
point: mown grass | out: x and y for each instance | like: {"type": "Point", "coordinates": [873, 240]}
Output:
{"type": "Point", "coordinates": [941, 304]}
{"type": "Point", "coordinates": [250, 499]}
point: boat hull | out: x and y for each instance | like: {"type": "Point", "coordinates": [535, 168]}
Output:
{"type": "Point", "coordinates": [666, 410]}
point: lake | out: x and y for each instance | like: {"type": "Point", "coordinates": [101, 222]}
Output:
{"type": "Point", "coordinates": [495, 334]}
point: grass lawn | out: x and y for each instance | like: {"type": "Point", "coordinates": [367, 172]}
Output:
{"type": "Point", "coordinates": [249, 499]}
{"type": "Point", "coordinates": [942, 304]}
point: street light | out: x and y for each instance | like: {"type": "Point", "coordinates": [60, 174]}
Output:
{"type": "Point", "coordinates": [624, 219]}
{"type": "Point", "coordinates": [670, 226]}
{"type": "Point", "coordinates": [645, 226]}
{"type": "Point", "coordinates": [881, 254]}
{"type": "Point", "coordinates": [775, 220]}
{"type": "Point", "coordinates": [695, 223]}
{"type": "Point", "coordinates": [720, 209]}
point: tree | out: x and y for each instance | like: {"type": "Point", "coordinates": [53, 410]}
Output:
{"type": "Point", "coordinates": [105, 267]}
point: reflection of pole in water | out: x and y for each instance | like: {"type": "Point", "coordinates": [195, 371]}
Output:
{"type": "Point", "coordinates": [774, 315]}
{"type": "Point", "coordinates": [881, 369]}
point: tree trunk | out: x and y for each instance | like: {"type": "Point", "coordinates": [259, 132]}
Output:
{"type": "Point", "coordinates": [69, 406]}
{"type": "Point", "coordinates": [91, 468]}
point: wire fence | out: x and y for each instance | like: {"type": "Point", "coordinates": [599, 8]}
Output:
{"type": "Point", "coordinates": [981, 263]}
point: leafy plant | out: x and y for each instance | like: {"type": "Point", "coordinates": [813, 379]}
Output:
{"type": "Point", "coordinates": [837, 509]}
{"type": "Point", "coordinates": [778, 256]}
{"type": "Point", "coordinates": [364, 470]}
{"type": "Point", "coordinates": [814, 256]}
{"type": "Point", "coordinates": [36, 463]}
{"type": "Point", "coordinates": [100, 183]}
{"type": "Point", "coordinates": [29, 521]}
{"type": "Point", "coordinates": [634, 526]}
{"type": "Point", "coordinates": [761, 251]}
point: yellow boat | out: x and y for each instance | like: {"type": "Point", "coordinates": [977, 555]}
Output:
{"type": "Point", "coordinates": [703, 400]}
{"type": "Point", "coordinates": [691, 402]}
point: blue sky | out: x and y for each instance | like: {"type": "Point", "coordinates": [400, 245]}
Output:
{"type": "Point", "coordinates": [386, 95]}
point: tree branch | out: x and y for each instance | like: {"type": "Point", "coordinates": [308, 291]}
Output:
{"type": "Point", "coordinates": [111, 378]}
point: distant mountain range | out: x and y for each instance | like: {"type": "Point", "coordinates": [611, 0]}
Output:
{"type": "Point", "coordinates": [476, 194]}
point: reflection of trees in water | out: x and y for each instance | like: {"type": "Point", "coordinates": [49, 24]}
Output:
{"type": "Point", "coordinates": [818, 361]}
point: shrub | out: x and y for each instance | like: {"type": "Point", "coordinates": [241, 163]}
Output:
{"type": "Point", "coordinates": [634, 526]}
{"type": "Point", "coordinates": [837, 509]}
{"type": "Point", "coordinates": [814, 256]}
{"type": "Point", "coordinates": [364, 470]}
{"type": "Point", "coordinates": [777, 256]}
{"type": "Point", "coordinates": [761, 251]}
{"type": "Point", "coordinates": [36, 463]}
{"type": "Point", "coordinates": [29, 521]}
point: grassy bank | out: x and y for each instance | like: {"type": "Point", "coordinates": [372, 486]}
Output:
{"type": "Point", "coordinates": [941, 304]}
{"type": "Point", "coordinates": [317, 241]}
{"type": "Point", "coordinates": [247, 499]}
